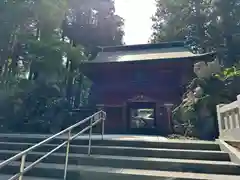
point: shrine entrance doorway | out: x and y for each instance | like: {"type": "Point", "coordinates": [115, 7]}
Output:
{"type": "Point", "coordinates": [141, 117]}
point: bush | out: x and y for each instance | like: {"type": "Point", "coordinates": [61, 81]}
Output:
{"type": "Point", "coordinates": [198, 108]}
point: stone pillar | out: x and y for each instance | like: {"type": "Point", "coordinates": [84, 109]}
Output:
{"type": "Point", "coordinates": [220, 120]}
{"type": "Point", "coordinates": [238, 99]}
{"type": "Point", "coordinates": [238, 113]}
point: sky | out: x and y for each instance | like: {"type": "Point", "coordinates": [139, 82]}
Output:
{"type": "Point", "coordinates": [137, 15]}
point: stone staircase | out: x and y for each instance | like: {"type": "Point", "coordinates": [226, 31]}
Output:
{"type": "Point", "coordinates": [119, 159]}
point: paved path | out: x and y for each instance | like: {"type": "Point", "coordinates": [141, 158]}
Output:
{"type": "Point", "coordinates": [125, 137]}
{"type": "Point", "coordinates": [85, 136]}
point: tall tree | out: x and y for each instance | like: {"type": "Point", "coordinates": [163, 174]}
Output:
{"type": "Point", "coordinates": [227, 15]}
{"type": "Point", "coordinates": [206, 24]}
{"type": "Point", "coordinates": [177, 20]}
{"type": "Point", "coordinates": [32, 57]}
{"type": "Point", "coordinates": [93, 23]}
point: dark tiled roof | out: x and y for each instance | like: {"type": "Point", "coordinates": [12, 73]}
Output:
{"type": "Point", "coordinates": [139, 47]}
{"type": "Point", "coordinates": [154, 54]}
{"type": "Point", "coordinates": [144, 52]}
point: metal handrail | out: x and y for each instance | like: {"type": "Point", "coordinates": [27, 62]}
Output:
{"type": "Point", "coordinates": [94, 120]}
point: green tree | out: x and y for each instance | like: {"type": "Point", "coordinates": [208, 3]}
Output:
{"type": "Point", "coordinates": [199, 106]}
{"type": "Point", "coordinates": [42, 45]}
{"type": "Point", "coordinates": [35, 78]}
{"type": "Point", "coordinates": [93, 23]}
{"type": "Point", "coordinates": [206, 25]}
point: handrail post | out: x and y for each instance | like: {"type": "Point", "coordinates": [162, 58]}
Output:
{"type": "Point", "coordinates": [103, 119]}
{"type": "Point", "coordinates": [22, 166]}
{"type": "Point", "coordinates": [67, 155]}
{"type": "Point", "coordinates": [90, 136]}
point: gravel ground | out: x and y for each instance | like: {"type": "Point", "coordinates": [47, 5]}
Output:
{"type": "Point", "coordinates": [181, 137]}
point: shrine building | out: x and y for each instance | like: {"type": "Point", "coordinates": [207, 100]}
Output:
{"type": "Point", "coordinates": [138, 85]}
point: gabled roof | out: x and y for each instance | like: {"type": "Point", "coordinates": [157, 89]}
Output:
{"type": "Point", "coordinates": [173, 50]}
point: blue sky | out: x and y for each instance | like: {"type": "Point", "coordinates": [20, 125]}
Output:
{"type": "Point", "coordinates": [137, 15]}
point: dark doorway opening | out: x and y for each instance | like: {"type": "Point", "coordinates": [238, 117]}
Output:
{"type": "Point", "coordinates": [141, 118]}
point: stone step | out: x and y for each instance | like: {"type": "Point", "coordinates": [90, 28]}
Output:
{"type": "Point", "coordinates": [5, 177]}
{"type": "Point", "coordinates": [162, 164]}
{"type": "Point", "coordinates": [44, 170]}
{"type": "Point", "coordinates": [170, 144]}
{"type": "Point", "coordinates": [121, 151]}
{"type": "Point", "coordinates": [103, 173]}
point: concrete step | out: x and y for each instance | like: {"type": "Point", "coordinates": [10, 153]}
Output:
{"type": "Point", "coordinates": [6, 147]}
{"type": "Point", "coordinates": [171, 144]}
{"type": "Point", "coordinates": [4, 177]}
{"type": "Point", "coordinates": [73, 157]}
{"type": "Point", "coordinates": [103, 173]}
{"type": "Point", "coordinates": [44, 170]}
{"type": "Point", "coordinates": [162, 164]}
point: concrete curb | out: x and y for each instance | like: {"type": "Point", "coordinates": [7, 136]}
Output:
{"type": "Point", "coordinates": [233, 152]}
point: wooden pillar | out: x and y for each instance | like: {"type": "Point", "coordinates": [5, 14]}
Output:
{"type": "Point", "coordinates": [124, 117]}
{"type": "Point", "coordinates": [98, 128]}
{"type": "Point", "coordinates": [162, 119]}
{"type": "Point", "coordinates": [168, 107]}
{"type": "Point", "coordinates": [100, 107]}
{"type": "Point", "coordinates": [158, 117]}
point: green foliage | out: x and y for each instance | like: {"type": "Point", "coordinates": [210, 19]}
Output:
{"type": "Point", "coordinates": [229, 73]}
{"type": "Point", "coordinates": [30, 108]}
{"type": "Point", "coordinates": [206, 25]}
{"type": "Point", "coordinates": [221, 88]}
{"type": "Point", "coordinates": [40, 80]}
{"type": "Point", "coordinates": [94, 17]}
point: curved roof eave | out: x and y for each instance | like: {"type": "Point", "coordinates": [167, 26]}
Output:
{"type": "Point", "coordinates": [194, 57]}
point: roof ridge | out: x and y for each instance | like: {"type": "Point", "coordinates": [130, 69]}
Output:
{"type": "Point", "coordinates": [137, 47]}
